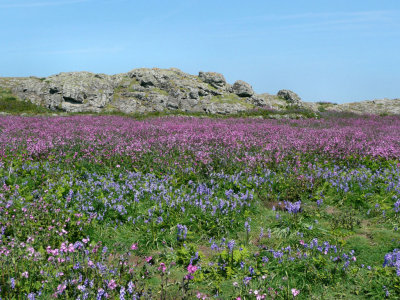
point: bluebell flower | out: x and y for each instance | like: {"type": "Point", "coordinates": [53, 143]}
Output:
{"type": "Point", "coordinates": [31, 296]}
{"type": "Point", "coordinates": [246, 280]}
{"type": "Point", "coordinates": [231, 244]}
{"type": "Point", "coordinates": [251, 270]}
{"type": "Point", "coordinates": [130, 287]}
{"type": "Point", "coordinates": [182, 232]}
{"type": "Point", "coordinates": [122, 293]}
{"type": "Point", "coordinates": [264, 259]}
{"type": "Point", "coordinates": [293, 208]}
{"type": "Point", "coordinates": [247, 226]}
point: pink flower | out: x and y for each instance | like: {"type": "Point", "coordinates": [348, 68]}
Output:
{"type": "Point", "coordinates": [295, 292]}
{"type": "Point", "coordinates": [162, 267]}
{"type": "Point", "coordinates": [134, 247]}
{"type": "Point", "coordinates": [60, 289]}
{"type": "Point", "coordinates": [64, 247]}
{"type": "Point", "coordinates": [191, 269]}
{"type": "Point", "coordinates": [112, 284]}
{"type": "Point", "coordinates": [71, 248]}
{"type": "Point", "coordinates": [353, 258]}
{"type": "Point", "coordinates": [301, 242]}
{"type": "Point", "coordinates": [201, 296]}
{"type": "Point", "coordinates": [148, 259]}
{"type": "Point", "coordinates": [25, 274]}
{"type": "Point", "coordinates": [31, 251]}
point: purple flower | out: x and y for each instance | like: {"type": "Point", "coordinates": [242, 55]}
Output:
{"type": "Point", "coordinates": [100, 293]}
{"type": "Point", "coordinates": [251, 270]}
{"type": "Point", "coordinates": [293, 208]}
{"type": "Point", "coordinates": [231, 244]}
{"type": "Point", "coordinates": [246, 280]}
{"type": "Point", "coordinates": [12, 281]}
{"type": "Point", "coordinates": [392, 259]}
{"type": "Point", "coordinates": [214, 246]}
{"type": "Point", "coordinates": [131, 286]}
{"type": "Point", "coordinates": [264, 259]}
{"type": "Point", "coordinates": [31, 296]}
{"type": "Point", "coordinates": [397, 206]}
{"type": "Point", "coordinates": [122, 293]}
{"type": "Point", "coordinates": [182, 232]}
{"type": "Point", "coordinates": [247, 226]}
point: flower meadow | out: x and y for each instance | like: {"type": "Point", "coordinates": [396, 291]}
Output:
{"type": "Point", "coordinates": [107, 207]}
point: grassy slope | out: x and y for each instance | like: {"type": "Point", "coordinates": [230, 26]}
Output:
{"type": "Point", "coordinates": [10, 104]}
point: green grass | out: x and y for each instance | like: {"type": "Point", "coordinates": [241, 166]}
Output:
{"type": "Point", "coordinates": [258, 112]}
{"type": "Point", "coordinates": [159, 91]}
{"type": "Point", "coordinates": [231, 99]}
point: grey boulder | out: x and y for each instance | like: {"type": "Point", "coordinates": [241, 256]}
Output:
{"type": "Point", "coordinates": [242, 89]}
{"type": "Point", "coordinates": [216, 80]}
{"type": "Point", "coordinates": [289, 96]}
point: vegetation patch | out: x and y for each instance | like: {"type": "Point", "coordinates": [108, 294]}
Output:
{"type": "Point", "coordinates": [159, 91]}
{"type": "Point", "coordinates": [97, 207]}
{"type": "Point", "coordinates": [231, 99]}
{"type": "Point", "coordinates": [11, 104]}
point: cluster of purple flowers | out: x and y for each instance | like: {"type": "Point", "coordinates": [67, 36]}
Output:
{"type": "Point", "coordinates": [392, 259]}
{"type": "Point", "coordinates": [293, 208]}
{"type": "Point", "coordinates": [182, 232]}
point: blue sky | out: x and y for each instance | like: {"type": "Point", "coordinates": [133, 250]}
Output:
{"type": "Point", "coordinates": [324, 50]}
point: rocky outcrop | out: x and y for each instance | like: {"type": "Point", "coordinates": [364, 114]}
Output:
{"type": "Point", "coordinates": [148, 90]}
{"type": "Point", "coordinates": [141, 90]}
{"type": "Point", "coordinates": [216, 80]}
{"type": "Point", "coordinates": [289, 96]}
{"type": "Point", "coordinates": [72, 92]}
{"type": "Point", "coordinates": [371, 107]}
{"type": "Point", "coordinates": [242, 89]}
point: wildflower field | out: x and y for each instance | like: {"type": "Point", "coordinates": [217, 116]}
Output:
{"type": "Point", "coordinates": [107, 207]}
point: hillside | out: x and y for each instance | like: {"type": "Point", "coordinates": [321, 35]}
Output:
{"type": "Point", "coordinates": [159, 90]}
